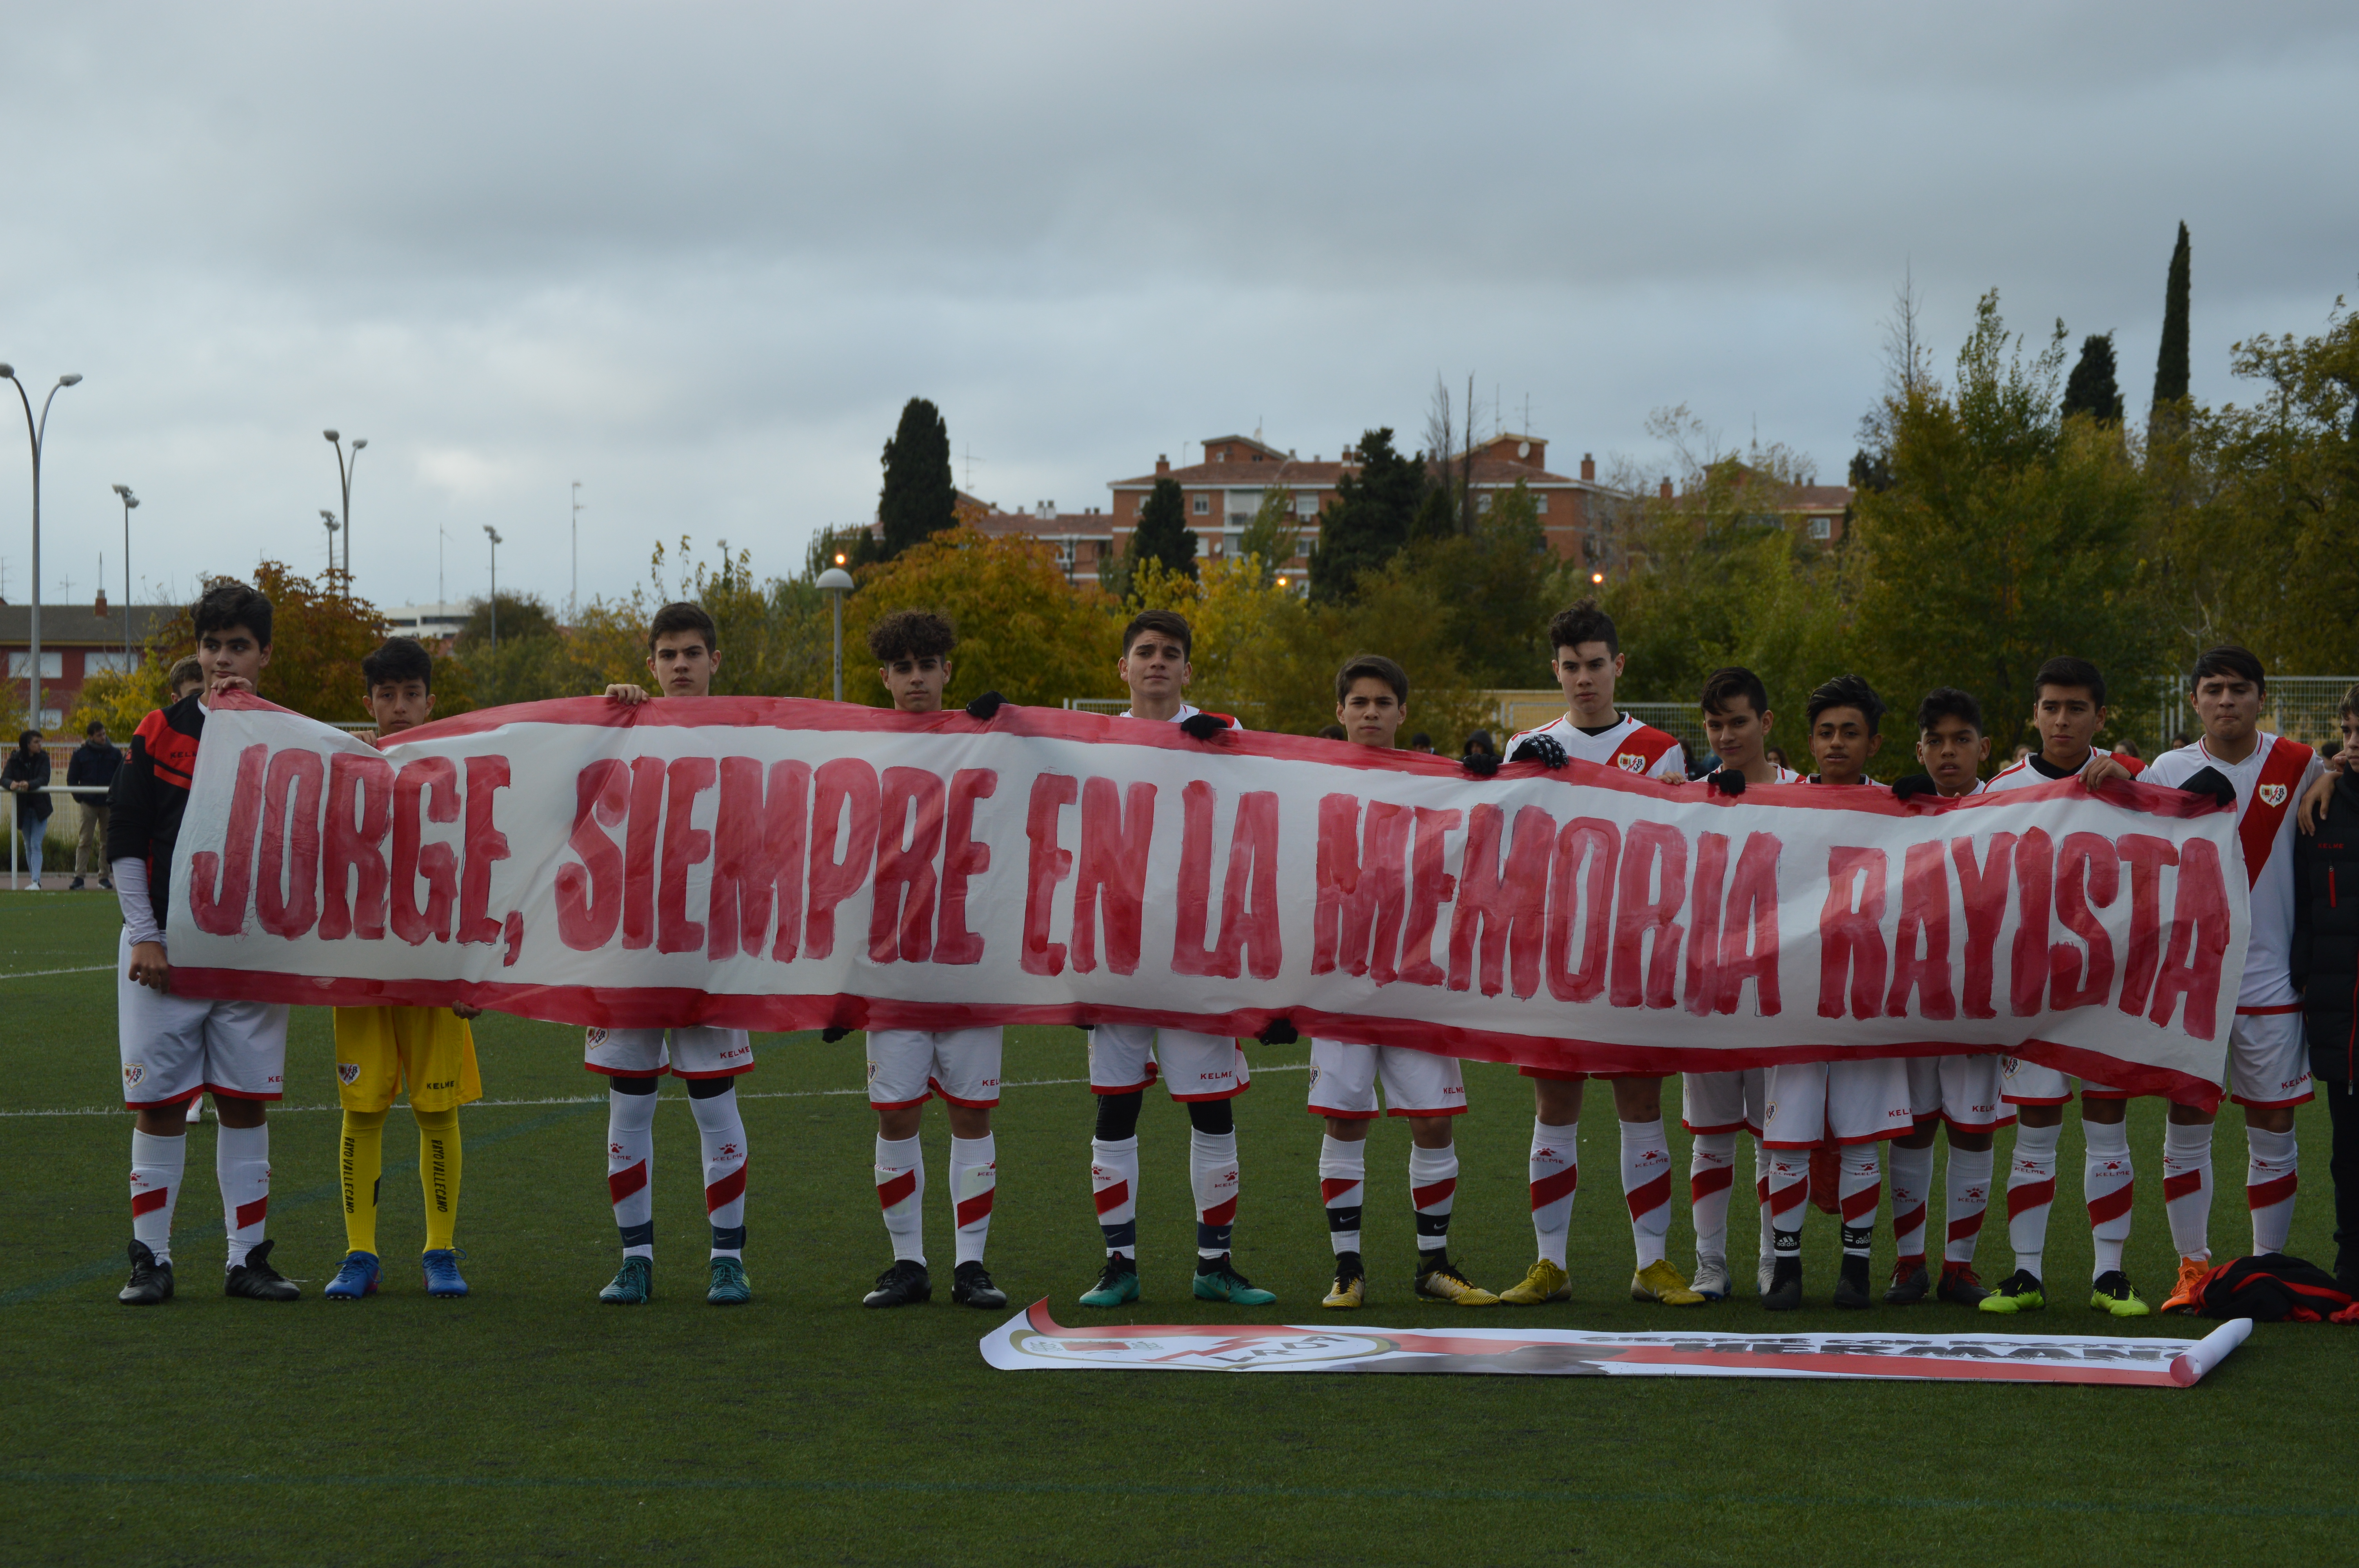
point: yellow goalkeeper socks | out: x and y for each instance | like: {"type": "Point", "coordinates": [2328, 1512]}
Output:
{"type": "Point", "coordinates": [360, 1163]}
{"type": "Point", "coordinates": [438, 1173]}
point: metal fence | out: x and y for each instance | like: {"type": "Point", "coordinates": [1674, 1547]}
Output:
{"type": "Point", "coordinates": [2306, 707]}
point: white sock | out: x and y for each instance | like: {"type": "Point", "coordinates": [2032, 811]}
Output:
{"type": "Point", "coordinates": [156, 1164]}
{"type": "Point", "coordinates": [2272, 1174]}
{"type": "Point", "coordinates": [630, 1169]}
{"type": "Point", "coordinates": [2108, 1184]}
{"type": "Point", "coordinates": [241, 1163]}
{"type": "Point", "coordinates": [1861, 1188]}
{"type": "Point", "coordinates": [1712, 1180]}
{"type": "Point", "coordinates": [1647, 1187]}
{"type": "Point", "coordinates": [1342, 1188]}
{"type": "Point", "coordinates": [1912, 1193]}
{"type": "Point", "coordinates": [723, 1131]}
{"type": "Point", "coordinates": [1213, 1171]}
{"type": "Point", "coordinates": [2187, 1187]}
{"type": "Point", "coordinates": [1556, 1173]}
{"type": "Point", "coordinates": [974, 1179]}
{"type": "Point", "coordinates": [1114, 1187]}
{"type": "Point", "coordinates": [1432, 1187]}
{"type": "Point", "coordinates": [1967, 1193]}
{"type": "Point", "coordinates": [901, 1194]}
{"type": "Point", "coordinates": [2030, 1192]}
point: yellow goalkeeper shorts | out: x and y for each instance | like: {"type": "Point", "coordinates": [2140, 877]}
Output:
{"type": "Point", "coordinates": [381, 1049]}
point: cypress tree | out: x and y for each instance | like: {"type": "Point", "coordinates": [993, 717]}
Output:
{"type": "Point", "coordinates": [1370, 519]}
{"type": "Point", "coordinates": [2170, 365]}
{"type": "Point", "coordinates": [1163, 533]}
{"type": "Point", "coordinates": [919, 499]}
{"type": "Point", "coordinates": [2091, 388]}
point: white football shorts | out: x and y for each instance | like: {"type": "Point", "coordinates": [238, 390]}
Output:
{"type": "Point", "coordinates": [1963, 1090]}
{"type": "Point", "coordinates": [2028, 1083]}
{"type": "Point", "coordinates": [1417, 1082]}
{"type": "Point", "coordinates": [696, 1052]}
{"type": "Point", "coordinates": [909, 1066]}
{"type": "Point", "coordinates": [177, 1046]}
{"type": "Point", "coordinates": [1722, 1102]}
{"type": "Point", "coordinates": [2268, 1059]}
{"type": "Point", "coordinates": [1127, 1057]}
{"type": "Point", "coordinates": [1806, 1103]}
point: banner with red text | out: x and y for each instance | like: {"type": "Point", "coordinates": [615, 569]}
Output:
{"type": "Point", "coordinates": [777, 863]}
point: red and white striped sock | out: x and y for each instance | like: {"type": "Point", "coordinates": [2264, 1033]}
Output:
{"type": "Point", "coordinates": [1555, 1175]}
{"type": "Point", "coordinates": [1712, 1179]}
{"type": "Point", "coordinates": [722, 1129]}
{"type": "Point", "coordinates": [156, 1164]}
{"type": "Point", "coordinates": [1114, 1187]}
{"type": "Point", "coordinates": [1647, 1187]}
{"type": "Point", "coordinates": [630, 1168]}
{"type": "Point", "coordinates": [1789, 1194]}
{"type": "Point", "coordinates": [1967, 1188]}
{"type": "Point", "coordinates": [901, 1194]}
{"type": "Point", "coordinates": [1761, 1196]}
{"type": "Point", "coordinates": [242, 1165]}
{"type": "Point", "coordinates": [1859, 1188]}
{"type": "Point", "coordinates": [1342, 1188]}
{"type": "Point", "coordinates": [2187, 1187]}
{"type": "Point", "coordinates": [2030, 1190]}
{"type": "Point", "coordinates": [1433, 1188]}
{"type": "Point", "coordinates": [2109, 1183]}
{"type": "Point", "coordinates": [2272, 1175]}
{"type": "Point", "coordinates": [975, 1181]}
{"type": "Point", "coordinates": [1213, 1171]}
{"type": "Point", "coordinates": [1912, 1201]}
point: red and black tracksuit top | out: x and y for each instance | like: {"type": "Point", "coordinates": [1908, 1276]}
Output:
{"type": "Point", "coordinates": [2326, 934]}
{"type": "Point", "coordinates": [150, 792]}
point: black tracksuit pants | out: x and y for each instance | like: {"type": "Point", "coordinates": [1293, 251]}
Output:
{"type": "Point", "coordinates": [2343, 1106]}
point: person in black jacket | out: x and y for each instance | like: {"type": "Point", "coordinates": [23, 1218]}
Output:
{"type": "Point", "coordinates": [92, 763]}
{"type": "Point", "coordinates": [2326, 967]}
{"type": "Point", "coordinates": [26, 775]}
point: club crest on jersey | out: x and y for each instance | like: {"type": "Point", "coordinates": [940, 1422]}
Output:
{"type": "Point", "coordinates": [350, 1072]}
{"type": "Point", "coordinates": [1630, 762]}
{"type": "Point", "coordinates": [2273, 795]}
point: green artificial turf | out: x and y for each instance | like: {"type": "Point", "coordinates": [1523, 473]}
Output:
{"type": "Point", "coordinates": [529, 1424]}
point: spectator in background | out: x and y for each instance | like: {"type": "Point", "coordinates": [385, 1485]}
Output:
{"type": "Point", "coordinates": [26, 775]}
{"type": "Point", "coordinates": [1776, 756]}
{"type": "Point", "coordinates": [1421, 741]}
{"type": "Point", "coordinates": [1480, 742]}
{"type": "Point", "coordinates": [2127, 748]}
{"type": "Point", "coordinates": [1332, 733]}
{"type": "Point", "coordinates": [92, 763]}
{"type": "Point", "coordinates": [187, 676]}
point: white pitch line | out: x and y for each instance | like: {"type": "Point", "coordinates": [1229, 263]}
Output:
{"type": "Point", "coordinates": [36, 974]}
{"type": "Point", "coordinates": [601, 1099]}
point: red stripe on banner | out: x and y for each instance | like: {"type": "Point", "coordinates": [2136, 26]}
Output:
{"type": "Point", "coordinates": [726, 1191]}
{"type": "Point", "coordinates": [1647, 1199]}
{"type": "Point", "coordinates": [2178, 1186]}
{"type": "Point", "coordinates": [1112, 1198]}
{"type": "Point", "coordinates": [894, 1189]}
{"type": "Point", "coordinates": [252, 1212]}
{"type": "Point", "coordinates": [621, 1184]}
{"type": "Point", "coordinates": [2029, 1196]}
{"type": "Point", "coordinates": [1426, 1198]}
{"type": "Point", "coordinates": [1222, 1213]}
{"type": "Point", "coordinates": [1902, 1224]}
{"type": "Point", "coordinates": [1910, 1367]}
{"type": "Point", "coordinates": [1710, 1180]}
{"type": "Point", "coordinates": [2113, 1204]}
{"type": "Point", "coordinates": [1547, 1189]}
{"type": "Point", "coordinates": [1861, 1204]}
{"type": "Point", "coordinates": [973, 1208]}
{"type": "Point", "coordinates": [2267, 1195]}
{"type": "Point", "coordinates": [1970, 1226]}
{"type": "Point", "coordinates": [148, 1202]}
{"type": "Point", "coordinates": [1332, 1188]}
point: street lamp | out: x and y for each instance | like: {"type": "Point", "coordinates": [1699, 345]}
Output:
{"type": "Point", "coordinates": [345, 477]}
{"type": "Point", "coordinates": [493, 535]}
{"type": "Point", "coordinates": [328, 521]}
{"type": "Point", "coordinates": [34, 431]}
{"type": "Point", "coordinates": [129, 501]}
{"type": "Point", "coordinates": [835, 582]}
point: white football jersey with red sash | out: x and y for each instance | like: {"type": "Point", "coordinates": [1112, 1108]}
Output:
{"type": "Point", "coordinates": [2034, 770]}
{"type": "Point", "coordinates": [2269, 783]}
{"type": "Point", "coordinates": [1631, 746]}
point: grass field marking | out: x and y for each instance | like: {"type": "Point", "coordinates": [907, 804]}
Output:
{"type": "Point", "coordinates": [1183, 1489]}
{"type": "Point", "coordinates": [36, 974]}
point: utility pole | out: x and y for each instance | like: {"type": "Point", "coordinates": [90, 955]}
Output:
{"type": "Point", "coordinates": [573, 599]}
{"type": "Point", "coordinates": [129, 501]}
{"type": "Point", "coordinates": [345, 477]}
{"type": "Point", "coordinates": [35, 430]}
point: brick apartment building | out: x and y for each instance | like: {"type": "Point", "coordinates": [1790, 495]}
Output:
{"type": "Point", "coordinates": [78, 641]}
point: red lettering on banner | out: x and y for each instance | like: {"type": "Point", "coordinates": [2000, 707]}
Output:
{"type": "Point", "coordinates": [218, 881]}
{"type": "Point", "coordinates": [1647, 904]}
{"type": "Point", "coordinates": [1982, 892]}
{"type": "Point", "coordinates": [685, 846]}
{"type": "Point", "coordinates": [757, 859]}
{"type": "Point", "coordinates": [1192, 913]}
{"type": "Point", "coordinates": [1429, 887]}
{"type": "Point", "coordinates": [1045, 866]}
{"type": "Point", "coordinates": [2197, 945]}
{"type": "Point", "coordinates": [640, 842]}
{"type": "Point", "coordinates": [1850, 933]}
{"type": "Point", "coordinates": [360, 814]}
{"type": "Point", "coordinates": [2088, 872]}
{"type": "Point", "coordinates": [1117, 831]}
{"type": "Point", "coordinates": [1751, 908]}
{"type": "Point", "coordinates": [1921, 944]}
{"type": "Point", "coordinates": [424, 790]}
{"type": "Point", "coordinates": [2035, 879]}
{"type": "Point", "coordinates": [1703, 915]}
{"type": "Point", "coordinates": [590, 895]}
{"type": "Point", "coordinates": [2146, 856]}
{"type": "Point", "coordinates": [286, 878]}
{"type": "Point", "coordinates": [487, 776]}
{"type": "Point", "coordinates": [1594, 842]}
{"type": "Point", "coordinates": [844, 814]}
{"type": "Point", "coordinates": [1249, 921]}
{"type": "Point", "coordinates": [1506, 912]}
{"type": "Point", "coordinates": [901, 917]}
{"type": "Point", "coordinates": [1363, 888]}
{"type": "Point", "coordinates": [965, 857]}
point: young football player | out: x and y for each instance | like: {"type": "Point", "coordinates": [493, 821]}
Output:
{"type": "Point", "coordinates": [1960, 1091]}
{"type": "Point", "coordinates": [683, 652]}
{"type": "Point", "coordinates": [1203, 1072]}
{"type": "Point", "coordinates": [2068, 710]}
{"type": "Point", "coordinates": [176, 1048]}
{"type": "Point", "coordinates": [429, 1051]}
{"type": "Point", "coordinates": [908, 1067]}
{"type": "Point", "coordinates": [2235, 761]}
{"type": "Point", "coordinates": [1371, 702]}
{"type": "Point", "coordinates": [187, 677]}
{"type": "Point", "coordinates": [1715, 1107]}
{"type": "Point", "coordinates": [1852, 1104]}
{"type": "Point", "coordinates": [1586, 659]}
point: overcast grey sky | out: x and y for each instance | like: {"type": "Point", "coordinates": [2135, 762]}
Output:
{"type": "Point", "coordinates": [696, 256]}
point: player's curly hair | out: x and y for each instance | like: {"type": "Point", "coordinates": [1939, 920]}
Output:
{"type": "Point", "coordinates": [1584, 622]}
{"type": "Point", "coordinates": [912, 634]}
{"type": "Point", "coordinates": [1723, 686]}
{"type": "Point", "coordinates": [230, 603]}
{"type": "Point", "coordinates": [400, 659]}
{"type": "Point", "coordinates": [1948, 702]}
{"type": "Point", "coordinates": [1849, 691]}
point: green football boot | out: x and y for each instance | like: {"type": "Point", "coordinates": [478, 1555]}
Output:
{"type": "Point", "coordinates": [1217, 1279]}
{"type": "Point", "coordinates": [2112, 1293]}
{"type": "Point", "coordinates": [729, 1287]}
{"type": "Point", "coordinates": [632, 1283]}
{"type": "Point", "coordinates": [1117, 1283]}
{"type": "Point", "coordinates": [2019, 1292]}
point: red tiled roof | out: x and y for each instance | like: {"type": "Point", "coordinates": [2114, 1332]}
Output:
{"type": "Point", "coordinates": [1307, 474]}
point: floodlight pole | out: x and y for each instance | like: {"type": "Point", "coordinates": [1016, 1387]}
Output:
{"type": "Point", "coordinates": [129, 501]}
{"type": "Point", "coordinates": [836, 582]}
{"type": "Point", "coordinates": [36, 430]}
{"type": "Point", "coordinates": [344, 477]}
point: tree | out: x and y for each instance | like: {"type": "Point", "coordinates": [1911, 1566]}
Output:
{"type": "Point", "coordinates": [1024, 631]}
{"type": "Point", "coordinates": [1494, 587]}
{"type": "Point", "coordinates": [2091, 388]}
{"type": "Point", "coordinates": [919, 499]}
{"type": "Point", "coordinates": [1369, 521]}
{"type": "Point", "coordinates": [2170, 361]}
{"type": "Point", "coordinates": [1274, 536]}
{"type": "Point", "coordinates": [1162, 534]}
{"type": "Point", "coordinates": [516, 617]}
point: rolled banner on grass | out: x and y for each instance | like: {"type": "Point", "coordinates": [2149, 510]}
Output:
{"type": "Point", "coordinates": [773, 864]}
{"type": "Point", "coordinates": [1033, 1341]}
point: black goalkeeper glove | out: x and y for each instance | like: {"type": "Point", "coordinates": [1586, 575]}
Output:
{"type": "Point", "coordinates": [1728, 781]}
{"type": "Point", "coordinates": [1481, 765]}
{"type": "Point", "coordinates": [1202, 726]}
{"type": "Point", "coordinates": [2213, 783]}
{"type": "Point", "coordinates": [1279, 1031]}
{"type": "Point", "coordinates": [981, 709]}
{"type": "Point", "coordinates": [1544, 749]}
{"type": "Point", "coordinates": [833, 1033]}
{"type": "Point", "coordinates": [1915, 784]}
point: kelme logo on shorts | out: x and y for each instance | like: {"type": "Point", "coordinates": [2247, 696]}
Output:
{"type": "Point", "coordinates": [350, 1072]}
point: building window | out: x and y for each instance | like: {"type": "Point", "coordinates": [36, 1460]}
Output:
{"type": "Point", "coordinates": [53, 664]}
{"type": "Point", "coordinates": [1202, 505]}
{"type": "Point", "coordinates": [117, 663]}
{"type": "Point", "coordinates": [1482, 502]}
{"type": "Point", "coordinates": [1540, 505]}
{"type": "Point", "coordinates": [1823, 527]}
{"type": "Point", "coordinates": [1306, 506]}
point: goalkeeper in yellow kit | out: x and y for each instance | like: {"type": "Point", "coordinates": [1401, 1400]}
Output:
{"type": "Point", "coordinates": [379, 1050]}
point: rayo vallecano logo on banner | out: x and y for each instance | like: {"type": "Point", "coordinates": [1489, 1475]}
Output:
{"type": "Point", "coordinates": [786, 864]}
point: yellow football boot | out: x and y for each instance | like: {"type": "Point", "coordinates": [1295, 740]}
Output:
{"type": "Point", "coordinates": [1443, 1282]}
{"type": "Point", "coordinates": [1661, 1281]}
{"type": "Point", "coordinates": [1351, 1283]}
{"type": "Point", "coordinates": [1543, 1282]}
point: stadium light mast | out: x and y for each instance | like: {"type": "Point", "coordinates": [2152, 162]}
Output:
{"type": "Point", "coordinates": [493, 535]}
{"type": "Point", "coordinates": [35, 431]}
{"type": "Point", "coordinates": [328, 521]}
{"type": "Point", "coordinates": [835, 582]}
{"type": "Point", "coordinates": [344, 477]}
{"type": "Point", "coordinates": [129, 501]}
